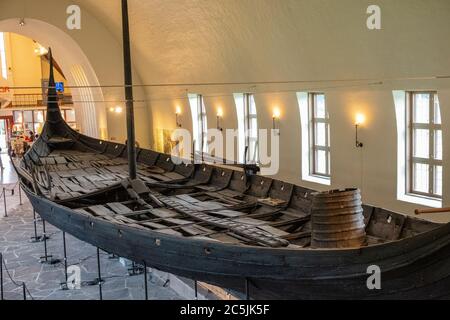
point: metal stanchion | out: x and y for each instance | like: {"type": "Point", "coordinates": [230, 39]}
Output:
{"type": "Point", "coordinates": [20, 195]}
{"type": "Point", "coordinates": [247, 289]}
{"type": "Point", "coordinates": [4, 202]}
{"type": "Point", "coordinates": [146, 281]}
{"type": "Point", "coordinates": [35, 238]}
{"type": "Point", "coordinates": [1, 276]}
{"type": "Point", "coordinates": [99, 275]}
{"type": "Point", "coordinates": [47, 258]}
{"type": "Point", "coordinates": [24, 289]}
{"type": "Point", "coordinates": [196, 289]}
{"type": "Point", "coordinates": [64, 284]}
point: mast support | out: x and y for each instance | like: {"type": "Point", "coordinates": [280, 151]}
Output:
{"type": "Point", "coordinates": [131, 138]}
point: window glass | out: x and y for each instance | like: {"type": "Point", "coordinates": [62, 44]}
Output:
{"type": "Point", "coordinates": [438, 144]}
{"type": "Point", "coordinates": [421, 177]}
{"type": "Point", "coordinates": [421, 143]}
{"type": "Point", "coordinates": [70, 115]}
{"type": "Point", "coordinates": [248, 126]}
{"type": "Point", "coordinates": [321, 161]}
{"type": "Point", "coordinates": [28, 116]}
{"type": "Point", "coordinates": [421, 108]}
{"type": "Point", "coordinates": [438, 180]}
{"type": "Point", "coordinates": [18, 118]}
{"type": "Point", "coordinates": [199, 125]}
{"type": "Point", "coordinates": [320, 106]}
{"type": "Point", "coordinates": [39, 116]}
{"type": "Point", "coordinates": [425, 145]}
{"type": "Point", "coordinates": [320, 136]}
{"type": "Point", "coordinates": [4, 66]}
{"type": "Point", "coordinates": [437, 110]}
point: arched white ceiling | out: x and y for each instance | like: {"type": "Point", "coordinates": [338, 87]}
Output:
{"type": "Point", "coordinates": [268, 40]}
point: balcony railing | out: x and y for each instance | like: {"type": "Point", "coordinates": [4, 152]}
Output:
{"type": "Point", "coordinates": [29, 100]}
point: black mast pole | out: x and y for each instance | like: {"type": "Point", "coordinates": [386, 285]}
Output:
{"type": "Point", "coordinates": [131, 139]}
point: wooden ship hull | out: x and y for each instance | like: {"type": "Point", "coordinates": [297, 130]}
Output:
{"type": "Point", "coordinates": [414, 268]}
{"type": "Point", "coordinates": [225, 226]}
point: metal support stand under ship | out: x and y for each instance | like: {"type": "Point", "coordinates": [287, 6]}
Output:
{"type": "Point", "coordinates": [227, 226]}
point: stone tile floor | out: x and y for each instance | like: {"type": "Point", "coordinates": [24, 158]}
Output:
{"type": "Point", "coordinates": [21, 258]}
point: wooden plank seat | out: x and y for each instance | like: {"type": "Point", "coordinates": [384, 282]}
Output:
{"type": "Point", "coordinates": [243, 228]}
{"type": "Point", "coordinates": [107, 214]}
{"type": "Point", "coordinates": [237, 224]}
{"type": "Point", "coordinates": [161, 228]}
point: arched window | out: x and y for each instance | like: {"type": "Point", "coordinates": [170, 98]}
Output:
{"type": "Point", "coordinates": [419, 147]}
{"type": "Point", "coordinates": [199, 123]}
{"type": "Point", "coordinates": [315, 125]}
{"type": "Point", "coordinates": [247, 127]}
{"type": "Point", "coordinates": [424, 144]}
{"type": "Point", "coordinates": [319, 136]}
{"type": "Point", "coordinates": [3, 63]}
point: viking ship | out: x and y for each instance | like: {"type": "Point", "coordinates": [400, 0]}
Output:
{"type": "Point", "coordinates": [227, 225]}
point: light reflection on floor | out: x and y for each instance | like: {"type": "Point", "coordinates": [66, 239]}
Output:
{"type": "Point", "coordinates": [8, 175]}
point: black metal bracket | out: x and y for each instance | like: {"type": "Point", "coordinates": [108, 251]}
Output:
{"type": "Point", "coordinates": [358, 143]}
{"type": "Point", "coordinates": [37, 238]}
{"type": "Point", "coordinates": [247, 289]}
{"type": "Point", "coordinates": [64, 285]}
{"type": "Point", "coordinates": [99, 279]}
{"type": "Point", "coordinates": [46, 258]}
{"type": "Point", "coordinates": [145, 281]}
{"type": "Point", "coordinates": [135, 270]}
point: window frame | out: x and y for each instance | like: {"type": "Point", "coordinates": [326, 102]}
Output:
{"type": "Point", "coordinates": [249, 139]}
{"type": "Point", "coordinates": [199, 122]}
{"type": "Point", "coordinates": [3, 58]}
{"type": "Point", "coordinates": [411, 160]}
{"type": "Point", "coordinates": [313, 147]}
{"type": "Point", "coordinates": [203, 123]}
{"type": "Point", "coordinates": [72, 124]}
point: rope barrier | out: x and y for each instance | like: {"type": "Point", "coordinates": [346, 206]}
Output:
{"type": "Point", "coordinates": [3, 195]}
{"type": "Point", "coordinates": [18, 285]}
{"type": "Point", "coordinates": [25, 289]}
{"type": "Point", "coordinates": [11, 189]}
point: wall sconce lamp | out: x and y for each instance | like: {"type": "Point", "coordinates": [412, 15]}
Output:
{"type": "Point", "coordinates": [177, 114]}
{"type": "Point", "coordinates": [22, 22]}
{"type": "Point", "coordinates": [276, 117]}
{"type": "Point", "coordinates": [359, 121]}
{"type": "Point", "coordinates": [117, 109]}
{"type": "Point", "coordinates": [219, 117]}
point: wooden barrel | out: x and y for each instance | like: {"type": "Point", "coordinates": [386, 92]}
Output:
{"type": "Point", "coordinates": [337, 219]}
